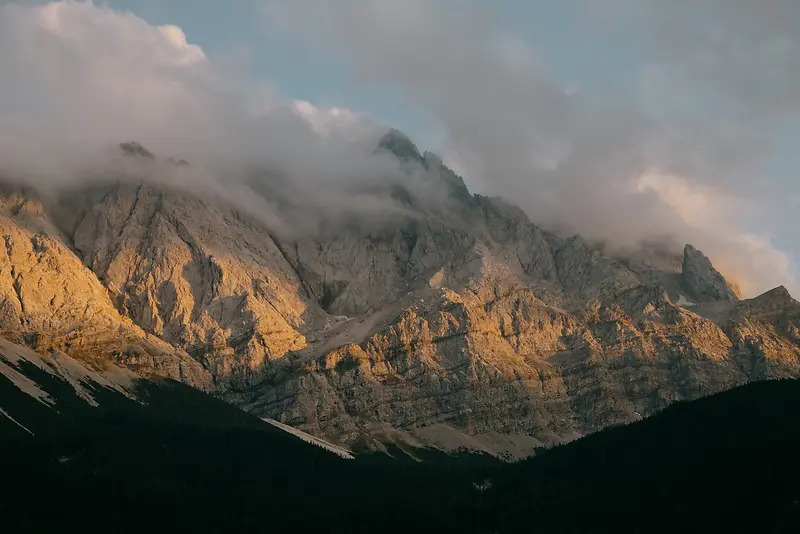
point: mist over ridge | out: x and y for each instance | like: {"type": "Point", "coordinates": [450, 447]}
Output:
{"type": "Point", "coordinates": [616, 175]}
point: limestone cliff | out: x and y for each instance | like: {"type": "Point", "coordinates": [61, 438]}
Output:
{"type": "Point", "coordinates": [52, 302]}
{"type": "Point", "coordinates": [456, 323]}
{"type": "Point", "coordinates": [702, 280]}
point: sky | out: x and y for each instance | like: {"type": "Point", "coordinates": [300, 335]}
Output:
{"type": "Point", "coordinates": [619, 119]}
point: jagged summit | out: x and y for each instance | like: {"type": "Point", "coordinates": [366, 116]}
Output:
{"type": "Point", "coordinates": [431, 160]}
{"type": "Point", "coordinates": [178, 162]}
{"type": "Point", "coordinates": [132, 148]}
{"type": "Point", "coordinates": [779, 292]}
{"type": "Point", "coordinates": [702, 280]}
{"type": "Point", "coordinates": [456, 324]}
{"type": "Point", "coordinates": [401, 146]}
{"type": "Point", "coordinates": [778, 298]}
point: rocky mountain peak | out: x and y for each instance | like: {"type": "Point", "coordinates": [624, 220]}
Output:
{"type": "Point", "coordinates": [779, 293]}
{"type": "Point", "coordinates": [457, 324]}
{"type": "Point", "coordinates": [702, 280]}
{"type": "Point", "coordinates": [132, 148]}
{"type": "Point", "coordinates": [177, 162]}
{"type": "Point", "coordinates": [428, 164]}
{"type": "Point", "coordinates": [401, 146]}
{"type": "Point", "coordinates": [776, 299]}
{"type": "Point", "coordinates": [454, 183]}
{"type": "Point", "coordinates": [432, 161]}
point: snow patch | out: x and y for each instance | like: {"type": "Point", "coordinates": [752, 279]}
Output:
{"type": "Point", "coordinates": [23, 427]}
{"type": "Point", "coordinates": [78, 376]}
{"type": "Point", "coordinates": [82, 379]}
{"type": "Point", "coordinates": [683, 301]}
{"type": "Point", "coordinates": [308, 438]}
{"type": "Point", "coordinates": [25, 384]}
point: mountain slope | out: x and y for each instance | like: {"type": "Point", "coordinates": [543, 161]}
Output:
{"type": "Point", "coordinates": [50, 301]}
{"type": "Point", "coordinates": [452, 320]}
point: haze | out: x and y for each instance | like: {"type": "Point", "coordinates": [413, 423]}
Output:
{"type": "Point", "coordinates": [621, 120]}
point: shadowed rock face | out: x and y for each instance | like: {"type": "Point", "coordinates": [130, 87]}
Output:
{"type": "Point", "coordinates": [135, 149]}
{"type": "Point", "coordinates": [466, 325]}
{"type": "Point", "coordinates": [702, 280]}
{"type": "Point", "coordinates": [401, 146]}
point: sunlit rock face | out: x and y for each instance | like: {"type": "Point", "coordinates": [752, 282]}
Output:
{"type": "Point", "coordinates": [454, 321]}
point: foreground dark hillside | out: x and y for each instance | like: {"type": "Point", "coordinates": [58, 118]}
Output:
{"type": "Point", "coordinates": [187, 462]}
{"type": "Point", "coordinates": [725, 463]}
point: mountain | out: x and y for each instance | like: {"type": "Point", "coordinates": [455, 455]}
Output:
{"type": "Point", "coordinates": [724, 463]}
{"type": "Point", "coordinates": [449, 320]}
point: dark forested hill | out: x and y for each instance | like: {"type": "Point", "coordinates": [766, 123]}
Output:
{"type": "Point", "coordinates": [726, 463]}
{"type": "Point", "coordinates": [86, 454]}
{"type": "Point", "coordinates": [93, 450]}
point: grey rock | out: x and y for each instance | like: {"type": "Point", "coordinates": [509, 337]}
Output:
{"type": "Point", "coordinates": [401, 146]}
{"type": "Point", "coordinates": [702, 281]}
{"type": "Point", "coordinates": [463, 323]}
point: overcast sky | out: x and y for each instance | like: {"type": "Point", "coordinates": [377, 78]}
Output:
{"type": "Point", "coordinates": [618, 119]}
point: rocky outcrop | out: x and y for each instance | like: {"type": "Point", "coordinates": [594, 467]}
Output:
{"type": "Point", "coordinates": [461, 323]}
{"type": "Point", "coordinates": [398, 144]}
{"type": "Point", "coordinates": [702, 280]}
{"type": "Point", "coordinates": [515, 366]}
{"type": "Point", "coordinates": [210, 282]}
{"type": "Point", "coordinates": [52, 302]}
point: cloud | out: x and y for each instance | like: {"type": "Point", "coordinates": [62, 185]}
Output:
{"type": "Point", "coordinates": [575, 163]}
{"type": "Point", "coordinates": [715, 217]}
{"type": "Point", "coordinates": [332, 122]}
{"type": "Point", "coordinates": [737, 55]}
{"type": "Point", "coordinates": [79, 78]}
